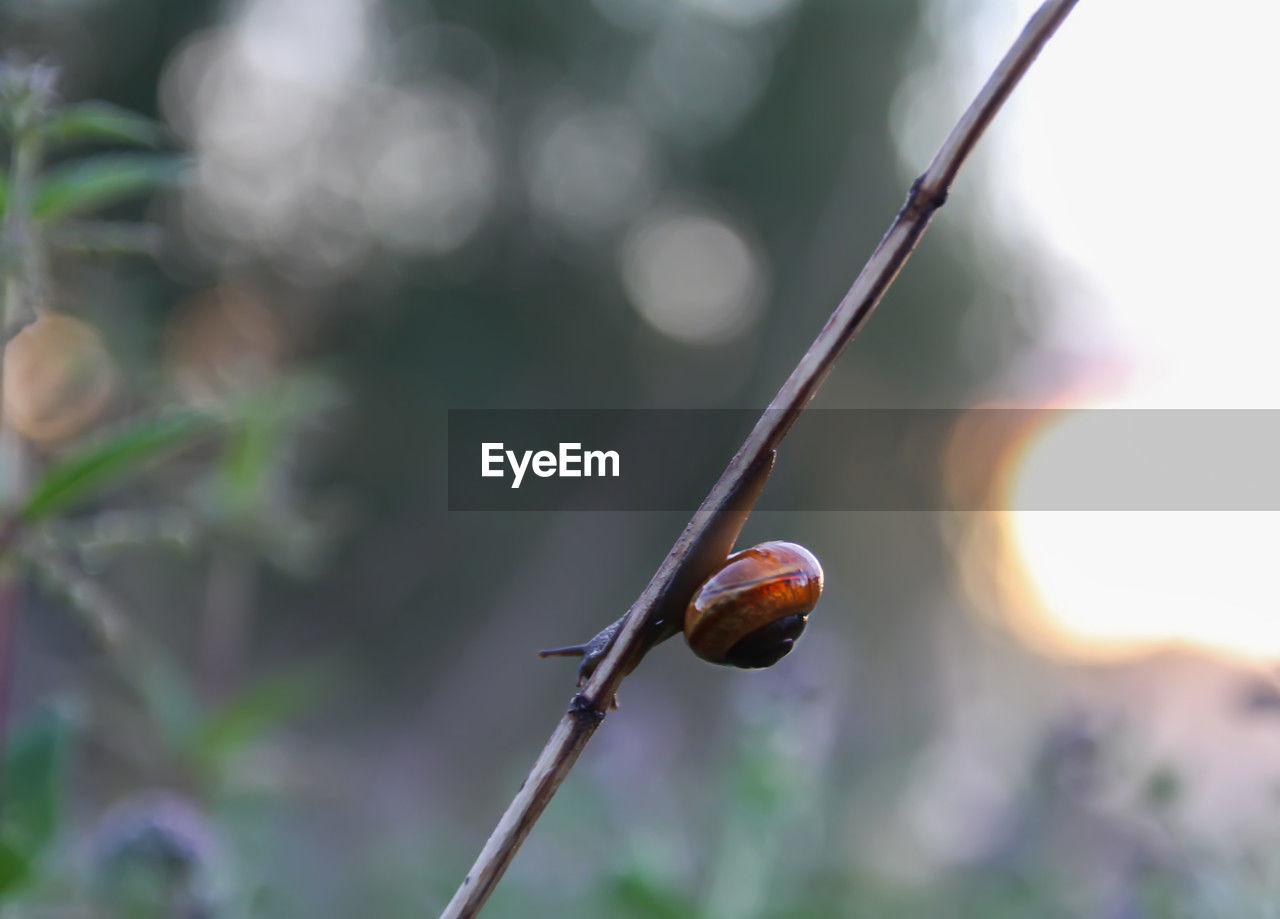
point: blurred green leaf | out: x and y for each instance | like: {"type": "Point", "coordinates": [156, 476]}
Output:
{"type": "Point", "coordinates": [4, 191]}
{"type": "Point", "coordinates": [99, 181]}
{"type": "Point", "coordinates": [165, 690]}
{"type": "Point", "coordinates": [100, 121]}
{"type": "Point", "coordinates": [246, 461]}
{"type": "Point", "coordinates": [14, 868]}
{"type": "Point", "coordinates": [104, 461]}
{"type": "Point", "coordinates": [642, 896]}
{"type": "Point", "coordinates": [266, 419]}
{"type": "Point", "coordinates": [255, 710]}
{"type": "Point", "coordinates": [34, 769]}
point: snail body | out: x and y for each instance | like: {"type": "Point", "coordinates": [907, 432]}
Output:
{"type": "Point", "coordinates": [750, 612]}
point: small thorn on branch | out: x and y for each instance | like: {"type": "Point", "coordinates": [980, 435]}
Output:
{"type": "Point", "coordinates": [567, 651]}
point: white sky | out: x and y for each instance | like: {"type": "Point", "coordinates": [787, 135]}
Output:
{"type": "Point", "coordinates": [1137, 154]}
{"type": "Point", "coordinates": [1138, 151]}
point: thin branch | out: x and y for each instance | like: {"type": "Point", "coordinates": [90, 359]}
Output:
{"type": "Point", "coordinates": [644, 624]}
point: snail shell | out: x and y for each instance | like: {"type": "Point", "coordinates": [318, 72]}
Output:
{"type": "Point", "coordinates": [752, 610]}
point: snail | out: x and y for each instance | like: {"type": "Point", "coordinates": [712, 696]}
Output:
{"type": "Point", "coordinates": [751, 611]}
{"type": "Point", "coordinates": [744, 610]}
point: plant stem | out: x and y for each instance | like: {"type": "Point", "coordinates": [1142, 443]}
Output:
{"type": "Point", "coordinates": [588, 707]}
{"type": "Point", "coordinates": [227, 620]}
{"type": "Point", "coordinates": [20, 265]}
{"type": "Point", "coordinates": [20, 258]}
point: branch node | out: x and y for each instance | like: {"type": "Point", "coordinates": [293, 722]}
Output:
{"type": "Point", "coordinates": [582, 709]}
{"type": "Point", "coordinates": [921, 202]}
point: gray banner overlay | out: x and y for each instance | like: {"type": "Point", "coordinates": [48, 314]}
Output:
{"type": "Point", "coordinates": [879, 460]}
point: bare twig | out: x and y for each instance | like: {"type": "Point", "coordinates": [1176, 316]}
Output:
{"type": "Point", "coordinates": [733, 494]}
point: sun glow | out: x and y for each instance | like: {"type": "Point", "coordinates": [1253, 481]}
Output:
{"type": "Point", "coordinates": [1128, 175]}
{"type": "Point", "coordinates": [1104, 582]}
{"type": "Point", "coordinates": [1134, 578]}
{"type": "Point", "coordinates": [1101, 581]}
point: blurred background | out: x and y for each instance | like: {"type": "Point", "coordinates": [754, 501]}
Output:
{"type": "Point", "coordinates": [395, 208]}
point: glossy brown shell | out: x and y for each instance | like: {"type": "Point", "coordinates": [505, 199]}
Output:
{"type": "Point", "coordinates": [749, 613]}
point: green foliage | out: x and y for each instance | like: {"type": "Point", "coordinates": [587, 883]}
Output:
{"type": "Point", "coordinates": [99, 122]}
{"type": "Point", "coordinates": [266, 419]}
{"type": "Point", "coordinates": [15, 868]}
{"type": "Point", "coordinates": [33, 779]}
{"type": "Point", "coordinates": [33, 773]}
{"type": "Point", "coordinates": [252, 712]}
{"type": "Point", "coordinates": [244, 467]}
{"type": "Point", "coordinates": [166, 692]}
{"type": "Point", "coordinates": [197, 741]}
{"type": "Point", "coordinates": [205, 739]}
{"type": "Point", "coordinates": [247, 494]}
{"type": "Point", "coordinates": [112, 458]}
{"type": "Point", "coordinates": [100, 181]}
{"type": "Point", "coordinates": [640, 895]}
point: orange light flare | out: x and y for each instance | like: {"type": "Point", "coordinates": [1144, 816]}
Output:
{"type": "Point", "coordinates": [1102, 584]}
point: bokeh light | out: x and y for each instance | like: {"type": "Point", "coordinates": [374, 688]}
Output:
{"type": "Point", "coordinates": [589, 167]}
{"type": "Point", "coordinates": [432, 181]}
{"type": "Point", "coordinates": [696, 80]}
{"type": "Point", "coordinates": [692, 276]}
{"type": "Point", "coordinates": [309, 152]}
{"type": "Point", "coordinates": [59, 378]}
{"type": "Point", "coordinates": [221, 343]}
